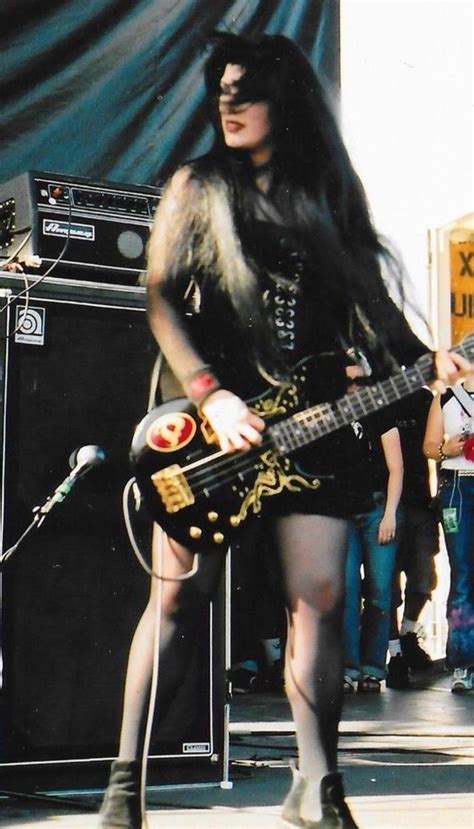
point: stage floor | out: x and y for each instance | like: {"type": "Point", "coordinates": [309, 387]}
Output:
{"type": "Point", "coordinates": [407, 760]}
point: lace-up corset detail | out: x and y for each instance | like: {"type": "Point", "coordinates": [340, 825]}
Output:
{"type": "Point", "coordinates": [284, 301]}
{"type": "Point", "coordinates": [283, 294]}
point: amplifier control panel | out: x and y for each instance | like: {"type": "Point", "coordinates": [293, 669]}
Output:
{"type": "Point", "coordinates": [94, 198]}
{"type": "Point", "coordinates": [78, 228]}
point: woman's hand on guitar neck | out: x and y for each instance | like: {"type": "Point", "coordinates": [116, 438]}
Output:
{"type": "Point", "coordinates": [352, 373]}
{"type": "Point", "coordinates": [237, 428]}
{"type": "Point", "coordinates": [449, 367]}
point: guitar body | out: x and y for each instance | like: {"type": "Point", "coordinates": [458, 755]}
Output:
{"type": "Point", "coordinates": [201, 496]}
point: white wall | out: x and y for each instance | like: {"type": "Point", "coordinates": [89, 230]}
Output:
{"type": "Point", "coordinates": [407, 96]}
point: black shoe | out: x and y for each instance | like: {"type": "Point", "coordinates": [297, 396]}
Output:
{"type": "Point", "coordinates": [369, 685]}
{"type": "Point", "coordinates": [398, 673]}
{"type": "Point", "coordinates": [336, 812]}
{"type": "Point", "coordinates": [416, 657]}
{"type": "Point", "coordinates": [121, 808]}
{"type": "Point", "coordinates": [243, 680]}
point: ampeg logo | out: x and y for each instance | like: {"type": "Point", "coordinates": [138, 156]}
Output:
{"type": "Point", "coordinates": [51, 227]}
{"type": "Point", "coordinates": [196, 748]}
{"type": "Point", "coordinates": [30, 325]}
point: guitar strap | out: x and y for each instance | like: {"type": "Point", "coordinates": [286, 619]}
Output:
{"type": "Point", "coordinates": [356, 354]}
{"type": "Point", "coordinates": [463, 399]}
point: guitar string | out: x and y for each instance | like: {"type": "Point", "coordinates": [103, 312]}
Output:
{"type": "Point", "coordinates": [400, 386]}
{"type": "Point", "coordinates": [218, 474]}
{"type": "Point", "coordinates": [229, 466]}
{"type": "Point", "coordinates": [232, 465]}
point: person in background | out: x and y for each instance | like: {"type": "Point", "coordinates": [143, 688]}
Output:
{"type": "Point", "coordinates": [418, 545]}
{"type": "Point", "coordinates": [449, 439]}
{"type": "Point", "coordinates": [273, 231]}
{"type": "Point", "coordinates": [372, 545]}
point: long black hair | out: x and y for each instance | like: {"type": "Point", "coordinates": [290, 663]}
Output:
{"type": "Point", "coordinates": [324, 191]}
{"type": "Point", "coordinates": [308, 145]}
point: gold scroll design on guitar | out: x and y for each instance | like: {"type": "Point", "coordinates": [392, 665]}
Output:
{"type": "Point", "coordinates": [264, 407]}
{"type": "Point", "coordinates": [273, 480]}
{"type": "Point", "coordinates": [284, 401]}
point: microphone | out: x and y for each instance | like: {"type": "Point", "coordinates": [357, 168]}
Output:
{"type": "Point", "coordinates": [81, 461]}
{"type": "Point", "coordinates": [84, 459]}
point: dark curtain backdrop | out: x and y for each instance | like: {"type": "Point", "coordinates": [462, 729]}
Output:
{"type": "Point", "coordinates": [112, 89]}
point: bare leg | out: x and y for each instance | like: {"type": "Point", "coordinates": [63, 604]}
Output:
{"type": "Point", "coordinates": [312, 550]}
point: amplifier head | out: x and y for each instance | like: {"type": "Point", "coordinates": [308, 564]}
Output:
{"type": "Point", "coordinates": [96, 231]}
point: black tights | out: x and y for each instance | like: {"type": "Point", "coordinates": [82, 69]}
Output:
{"type": "Point", "coordinates": [312, 551]}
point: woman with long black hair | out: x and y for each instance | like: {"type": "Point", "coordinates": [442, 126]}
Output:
{"type": "Point", "coordinates": [263, 253]}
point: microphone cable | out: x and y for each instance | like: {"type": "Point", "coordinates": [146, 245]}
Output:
{"type": "Point", "coordinates": [153, 574]}
{"type": "Point", "coordinates": [12, 257]}
{"type": "Point", "coordinates": [154, 679]}
{"type": "Point", "coordinates": [155, 668]}
{"type": "Point", "coordinates": [131, 483]}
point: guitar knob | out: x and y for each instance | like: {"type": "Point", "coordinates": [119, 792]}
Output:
{"type": "Point", "coordinates": [195, 532]}
{"type": "Point", "coordinates": [212, 516]}
{"type": "Point", "coordinates": [234, 520]}
{"type": "Point", "coordinates": [218, 538]}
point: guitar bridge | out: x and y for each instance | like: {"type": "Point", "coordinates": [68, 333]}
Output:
{"type": "Point", "coordinates": [173, 488]}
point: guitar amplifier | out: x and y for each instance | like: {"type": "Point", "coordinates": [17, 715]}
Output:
{"type": "Point", "coordinates": [94, 231]}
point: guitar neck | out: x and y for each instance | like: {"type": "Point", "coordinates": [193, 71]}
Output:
{"type": "Point", "coordinates": [308, 425]}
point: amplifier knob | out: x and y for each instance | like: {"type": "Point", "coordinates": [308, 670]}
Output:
{"type": "Point", "coordinates": [195, 532]}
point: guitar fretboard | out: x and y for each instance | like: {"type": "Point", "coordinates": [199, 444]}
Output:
{"type": "Point", "coordinates": [310, 424]}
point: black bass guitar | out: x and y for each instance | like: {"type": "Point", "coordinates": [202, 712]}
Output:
{"type": "Point", "coordinates": [201, 496]}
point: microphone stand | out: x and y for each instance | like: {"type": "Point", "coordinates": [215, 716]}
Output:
{"type": "Point", "coordinates": [93, 456]}
{"type": "Point", "coordinates": [35, 524]}
{"type": "Point", "coordinates": [58, 496]}
{"type": "Point", "coordinates": [40, 513]}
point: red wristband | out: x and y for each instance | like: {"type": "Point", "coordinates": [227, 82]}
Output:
{"type": "Point", "coordinates": [200, 385]}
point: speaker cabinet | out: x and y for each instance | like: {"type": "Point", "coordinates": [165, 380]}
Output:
{"type": "Point", "coordinates": [75, 371]}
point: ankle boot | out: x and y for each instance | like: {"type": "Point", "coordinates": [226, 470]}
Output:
{"type": "Point", "coordinates": [335, 811]}
{"type": "Point", "coordinates": [121, 807]}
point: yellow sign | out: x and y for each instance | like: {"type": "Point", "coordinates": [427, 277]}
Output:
{"type": "Point", "coordinates": [461, 264]}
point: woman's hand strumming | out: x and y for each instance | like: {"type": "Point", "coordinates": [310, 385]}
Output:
{"type": "Point", "coordinates": [235, 425]}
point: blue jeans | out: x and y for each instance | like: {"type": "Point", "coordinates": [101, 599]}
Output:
{"type": "Point", "coordinates": [457, 493]}
{"type": "Point", "coordinates": [367, 612]}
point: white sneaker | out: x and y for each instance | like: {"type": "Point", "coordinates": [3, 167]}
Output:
{"type": "Point", "coordinates": [462, 681]}
{"type": "Point", "coordinates": [350, 684]}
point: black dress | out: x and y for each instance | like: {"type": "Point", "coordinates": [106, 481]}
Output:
{"type": "Point", "coordinates": [310, 314]}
